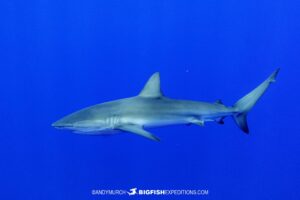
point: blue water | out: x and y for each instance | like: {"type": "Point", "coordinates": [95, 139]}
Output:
{"type": "Point", "coordinates": [59, 56]}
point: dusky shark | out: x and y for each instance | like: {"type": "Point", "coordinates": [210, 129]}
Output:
{"type": "Point", "coordinates": [152, 109]}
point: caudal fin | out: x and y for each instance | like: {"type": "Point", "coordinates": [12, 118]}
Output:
{"type": "Point", "coordinates": [245, 104]}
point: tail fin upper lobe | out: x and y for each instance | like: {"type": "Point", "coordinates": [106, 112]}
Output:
{"type": "Point", "coordinates": [245, 104]}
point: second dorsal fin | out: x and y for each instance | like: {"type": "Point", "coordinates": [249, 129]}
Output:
{"type": "Point", "coordinates": [219, 101]}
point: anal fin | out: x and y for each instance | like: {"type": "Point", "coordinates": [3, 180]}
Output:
{"type": "Point", "coordinates": [220, 120]}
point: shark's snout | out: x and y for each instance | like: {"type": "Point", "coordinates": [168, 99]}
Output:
{"type": "Point", "coordinates": [54, 124]}
{"type": "Point", "coordinates": [60, 124]}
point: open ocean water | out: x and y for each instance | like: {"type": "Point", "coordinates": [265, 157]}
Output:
{"type": "Point", "coordinates": [59, 56]}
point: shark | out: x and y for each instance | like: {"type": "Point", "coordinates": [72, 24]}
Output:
{"type": "Point", "coordinates": [151, 108]}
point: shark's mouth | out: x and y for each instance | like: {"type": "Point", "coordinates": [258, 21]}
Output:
{"type": "Point", "coordinates": [80, 129]}
{"type": "Point", "coordinates": [65, 127]}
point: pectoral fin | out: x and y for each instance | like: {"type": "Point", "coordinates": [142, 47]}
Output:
{"type": "Point", "coordinates": [139, 131]}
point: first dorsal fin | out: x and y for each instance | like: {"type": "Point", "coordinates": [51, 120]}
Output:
{"type": "Point", "coordinates": [152, 87]}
